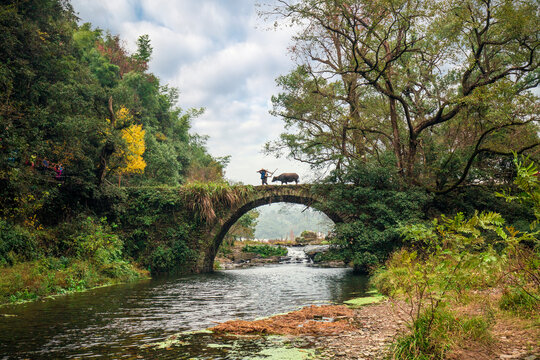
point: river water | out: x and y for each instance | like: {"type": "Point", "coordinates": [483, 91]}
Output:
{"type": "Point", "coordinates": [128, 320]}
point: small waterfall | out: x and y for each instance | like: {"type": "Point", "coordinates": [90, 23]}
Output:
{"type": "Point", "coordinates": [296, 255]}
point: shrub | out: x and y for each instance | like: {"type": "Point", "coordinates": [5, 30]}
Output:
{"type": "Point", "coordinates": [265, 250]}
{"type": "Point", "coordinates": [171, 259]}
{"type": "Point", "coordinates": [375, 204]}
{"type": "Point", "coordinates": [162, 260]}
{"type": "Point", "coordinates": [306, 237]}
{"type": "Point", "coordinates": [519, 301]}
{"type": "Point", "coordinates": [442, 261]}
{"type": "Point", "coordinates": [330, 255]}
{"type": "Point", "coordinates": [16, 244]}
{"type": "Point", "coordinates": [96, 241]}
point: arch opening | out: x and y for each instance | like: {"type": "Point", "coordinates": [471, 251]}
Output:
{"type": "Point", "coordinates": [265, 200]}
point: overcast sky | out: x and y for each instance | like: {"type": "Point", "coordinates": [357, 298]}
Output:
{"type": "Point", "coordinates": [221, 56]}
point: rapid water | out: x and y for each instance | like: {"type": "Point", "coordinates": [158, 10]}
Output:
{"type": "Point", "coordinates": [296, 255]}
{"type": "Point", "coordinates": [121, 321]}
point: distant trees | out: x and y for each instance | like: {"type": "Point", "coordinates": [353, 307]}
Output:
{"type": "Point", "coordinates": [244, 227]}
{"type": "Point", "coordinates": [439, 91]}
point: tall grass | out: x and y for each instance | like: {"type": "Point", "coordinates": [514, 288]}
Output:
{"type": "Point", "coordinates": [433, 334]}
{"type": "Point", "coordinates": [208, 198]}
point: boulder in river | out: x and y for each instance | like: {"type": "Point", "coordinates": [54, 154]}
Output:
{"type": "Point", "coordinates": [312, 250]}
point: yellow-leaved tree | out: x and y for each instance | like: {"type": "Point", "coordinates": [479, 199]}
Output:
{"type": "Point", "coordinates": [128, 157]}
{"type": "Point", "coordinates": [133, 160]}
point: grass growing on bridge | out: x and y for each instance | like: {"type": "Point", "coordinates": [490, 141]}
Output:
{"type": "Point", "coordinates": [207, 198]}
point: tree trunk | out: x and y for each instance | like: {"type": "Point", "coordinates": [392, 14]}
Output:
{"type": "Point", "coordinates": [413, 146]}
{"type": "Point", "coordinates": [396, 142]}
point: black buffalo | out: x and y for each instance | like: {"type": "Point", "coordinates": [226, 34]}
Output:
{"type": "Point", "coordinates": [286, 178]}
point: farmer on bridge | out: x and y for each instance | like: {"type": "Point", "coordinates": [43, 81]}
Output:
{"type": "Point", "coordinates": [264, 175]}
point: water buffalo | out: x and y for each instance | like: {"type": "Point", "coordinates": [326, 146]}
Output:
{"type": "Point", "coordinates": [286, 178]}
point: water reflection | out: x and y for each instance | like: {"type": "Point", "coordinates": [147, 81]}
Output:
{"type": "Point", "coordinates": [117, 320]}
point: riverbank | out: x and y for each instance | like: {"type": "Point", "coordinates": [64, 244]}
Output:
{"type": "Point", "coordinates": [34, 280]}
{"type": "Point", "coordinates": [369, 331]}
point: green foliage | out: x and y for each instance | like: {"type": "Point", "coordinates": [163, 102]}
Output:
{"type": "Point", "coordinates": [330, 255]}
{"type": "Point", "coordinates": [162, 260]}
{"type": "Point", "coordinates": [523, 279]}
{"type": "Point", "coordinates": [68, 93]}
{"type": "Point", "coordinates": [265, 251]}
{"type": "Point", "coordinates": [519, 301]}
{"type": "Point", "coordinates": [16, 244]}
{"type": "Point", "coordinates": [165, 259]}
{"type": "Point", "coordinates": [144, 49]}
{"type": "Point", "coordinates": [442, 262]}
{"type": "Point", "coordinates": [446, 258]}
{"type": "Point", "coordinates": [61, 85]}
{"type": "Point", "coordinates": [369, 91]}
{"type": "Point", "coordinates": [96, 241]}
{"type": "Point", "coordinates": [527, 182]}
{"type": "Point", "coordinates": [375, 206]}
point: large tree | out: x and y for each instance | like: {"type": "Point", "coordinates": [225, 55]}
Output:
{"type": "Point", "coordinates": [444, 86]}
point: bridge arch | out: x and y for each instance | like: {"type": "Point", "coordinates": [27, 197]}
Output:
{"type": "Point", "coordinates": [295, 194]}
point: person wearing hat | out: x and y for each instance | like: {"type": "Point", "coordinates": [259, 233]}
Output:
{"type": "Point", "coordinates": [264, 175]}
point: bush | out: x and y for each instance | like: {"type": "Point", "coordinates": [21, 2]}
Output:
{"type": "Point", "coordinates": [162, 260]}
{"type": "Point", "coordinates": [265, 251]}
{"type": "Point", "coordinates": [306, 237]}
{"type": "Point", "coordinates": [330, 255]}
{"type": "Point", "coordinates": [171, 259]}
{"type": "Point", "coordinates": [443, 261]}
{"type": "Point", "coordinates": [96, 241]}
{"type": "Point", "coordinates": [519, 302]}
{"type": "Point", "coordinates": [364, 262]}
{"type": "Point", "coordinates": [16, 244]}
{"type": "Point", "coordinates": [375, 204]}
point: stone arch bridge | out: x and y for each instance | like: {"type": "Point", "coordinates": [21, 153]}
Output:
{"type": "Point", "coordinates": [259, 196]}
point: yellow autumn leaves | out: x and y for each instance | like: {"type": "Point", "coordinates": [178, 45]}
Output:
{"type": "Point", "coordinates": [134, 138]}
{"type": "Point", "coordinates": [130, 156]}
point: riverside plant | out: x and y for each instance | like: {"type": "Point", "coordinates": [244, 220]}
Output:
{"type": "Point", "coordinates": [265, 250]}
{"type": "Point", "coordinates": [441, 263]}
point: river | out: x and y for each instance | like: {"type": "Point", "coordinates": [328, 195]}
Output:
{"type": "Point", "coordinates": [127, 320]}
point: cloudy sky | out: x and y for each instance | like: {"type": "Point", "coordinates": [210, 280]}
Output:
{"type": "Point", "coordinates": [221, 56]}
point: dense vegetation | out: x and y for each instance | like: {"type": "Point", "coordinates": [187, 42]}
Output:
{"type": "Point", "coordinates": [81, 116]}
{"type": "Point", "coordinates": [458, 261]}
{"type": "Point", "coordinates": [423, 108]}
{"type": "Point", "coordinates": [414, 106]}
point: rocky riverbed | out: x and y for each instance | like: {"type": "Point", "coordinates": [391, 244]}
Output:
{"type": "Point", "coordinates": [236, 258]}
{"type": "Point", "coordinates": [366, 333]}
